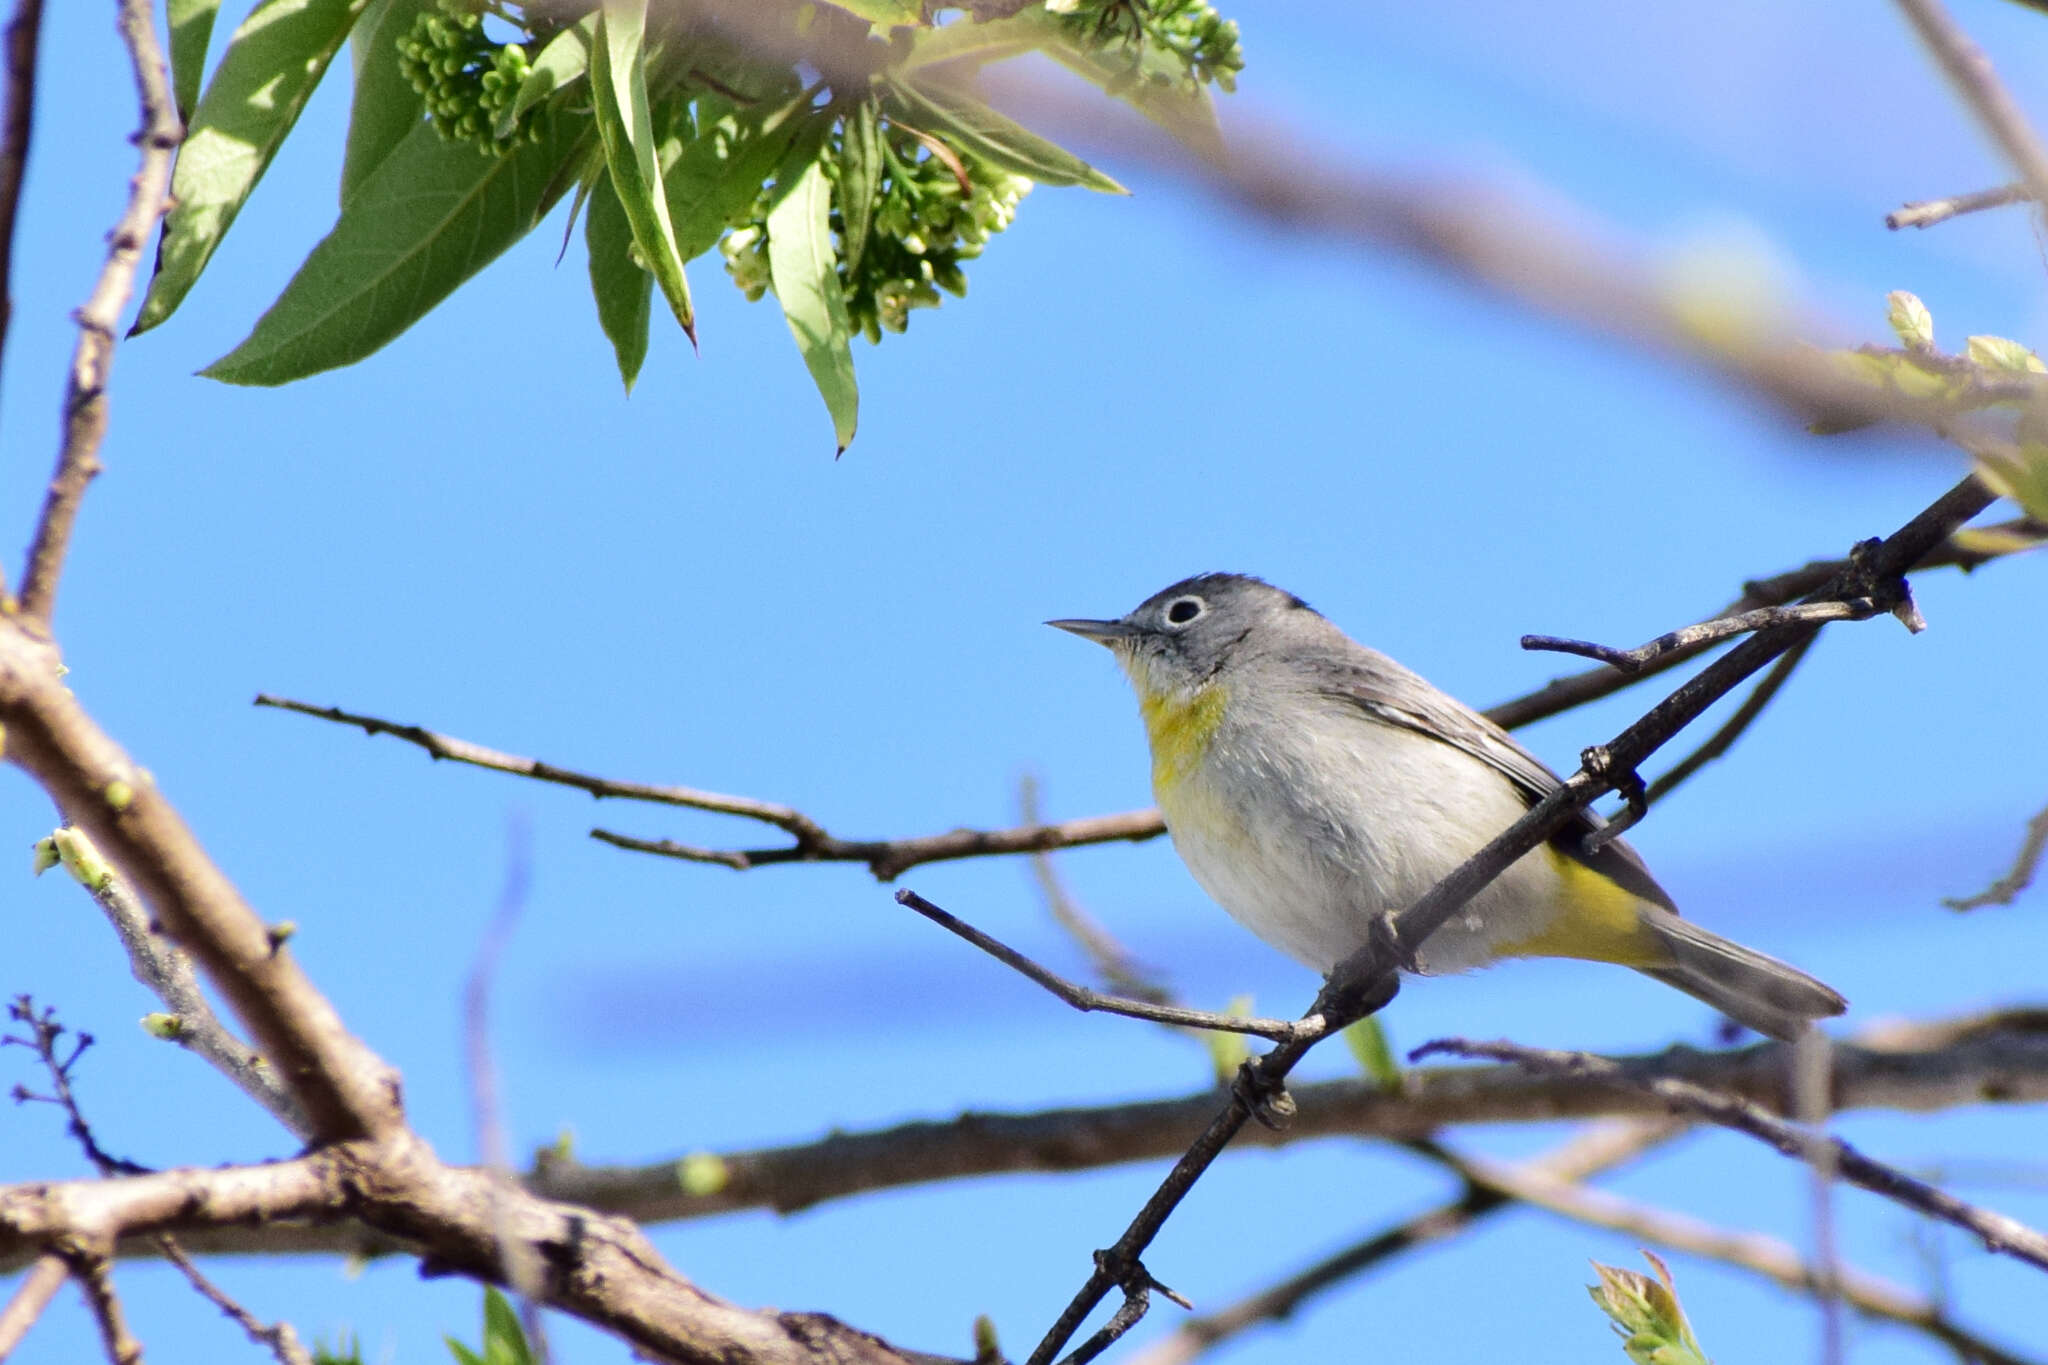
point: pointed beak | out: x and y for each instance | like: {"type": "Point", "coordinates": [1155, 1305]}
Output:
{"type": "Point", "coordinates": [1101, 632]}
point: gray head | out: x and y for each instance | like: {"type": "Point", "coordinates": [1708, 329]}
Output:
{"type": "Point", "coordinates": [1177, 639]}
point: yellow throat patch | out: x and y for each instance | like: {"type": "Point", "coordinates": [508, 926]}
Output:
{"type": "Point", "coordinates": [1180, 726]}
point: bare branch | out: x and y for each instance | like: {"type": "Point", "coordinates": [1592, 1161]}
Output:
{"type": "Point", "coordinates": [2024, 864]}
{"type": "Point", "coordinates": [45, 1277]}
{"type": "Point", "coordinates": [1925, 213]}
{"type": "Point", "coordinates": [1997, 1232]}
{"type": "Point", "coordinates": [85, 397]}
{"type": "Point", "coordinates": [1706, 633]}
{"type": "Point", "coordinates": [1599, 1148]}
{"type": "Point", "coordinates": [279, 1339]}
{"type": "Point", "coordinates": [1969, 71]}
{"type": "Point", "coordinates": [1112, 962]}
{"type": "Point", "coordinates": [96, 1281]}
{"type": "Point", "coordinates": [24, 36]}
{"type": "Point", "coordinates": [1723, 739]}
{"type": "Point", "coordinates": [1085, 1000]}
{"type": "Point", "coordinates": [166, 971]}
{"type": "Point", "coordinates": [1912, 1068]}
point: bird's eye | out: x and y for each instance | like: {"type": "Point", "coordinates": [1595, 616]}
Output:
{"type": "Point", "coordinates": [1183, 610]}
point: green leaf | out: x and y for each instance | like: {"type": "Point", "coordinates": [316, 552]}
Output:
{"type": "Point", "coordinates": [971, 126]}
{"type": "Point", "coordinates": [1910, 319]}
{"type": "Point", "coordinates": [385, 106]}
{"type": "Point", "coordinates": [715, 176]}
{"type": "Point", "coordinates": [1228, 1051]}
{"type": "Point", "coordinates": [504, 1338]}
{"type": "Point", "coordinates": [1999, 353]}
{"type": "Point", "coordinates": [622, 291]}
{"type": "Point", "coordinates": [270, 68]}
{"type": "Point", "coordinates": [1367, 1040]}
{"type": "Point", "coordinates": [976, 44]}
{"type": "Point", "coordinates": [1646, 1315]}
{"type": "Point", "coordinates": [2022, 476]}
{"type": "Point", "coordinates": [805, 270]}
{"type": "Point", "coordinates": [191, 24]}
{"type": "Point", "coordinates": [561, 64]}
{"type": "Point", "coordinates": [618, 89]}
{"type": "Point", "coordinates": [860, 179]}
{"type": "Point", "coordinates": [433, 214]}
{"type": "Point", "coordinates": [463, 1355]}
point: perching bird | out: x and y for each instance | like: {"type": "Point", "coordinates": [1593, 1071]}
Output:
{"type": "Point", "coordinates": [1313, 786]}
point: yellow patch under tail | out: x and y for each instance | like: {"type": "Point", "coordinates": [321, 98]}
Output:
{"type": "Point", "coordinates": [1599, 922]}
{"type": "Point", "coordinates": [1180, 726]}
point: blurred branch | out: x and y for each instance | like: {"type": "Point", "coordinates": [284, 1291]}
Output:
{"type": "Point", "coordinates": [96, 1281]}
{"type": "Point", "coordinates": [1970, 72]}
{"type": "Point", "coordinates": [1112, 962]}
{"type": "Point", "coordinates": [46, 1275]}
{"type": "Point", "coordinates": [890, 858]}
{"type": "Point", "coordinates": [1598, 1149]}
{"type": "Point", "coordinates": [1925, 213]}
{"type": "Point", "coordinates": [1875, 1298]}
{"type": "Point", "coordinates": [1924, 1067]}
{"type": "Point", "coordinates": [85, 397]}
{"type": "Point", "coordinates": [1996, 1231]}
{"type": "Point", "coordinates": [24, 36]}
{"type": "Point", "coordinates": [2021, 875]}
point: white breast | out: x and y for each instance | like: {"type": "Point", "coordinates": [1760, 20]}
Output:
{"type": "Point", "coordinates": [1310, 831]}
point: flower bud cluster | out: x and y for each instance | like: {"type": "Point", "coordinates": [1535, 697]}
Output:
{"type": "Point", "coordinates": [1203, 44]}
{"type": "Point", "coordinates": [465, 80]}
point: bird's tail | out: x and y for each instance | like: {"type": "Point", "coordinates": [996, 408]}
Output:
{"type": "Point", "coordinates": [1760, 992]}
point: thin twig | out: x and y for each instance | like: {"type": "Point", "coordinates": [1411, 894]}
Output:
{"type": "Point", "coordinates": [1599, 1148]}
{"type": "Point", "coordinates": [1970, 72]}
{"type": "Point", "coordinates": [85, 397]}
{"type": "Point", "coordinates": [24, 35]}
{"type": "Point", "coordinates": [278, 1338]}
{"type": "Point", "coordinates": [1723, 739]}
{"type": "Point", "coordinates": [1086, 1000]}
{"type": "Point", "coordinates": [2021, 875]}
{"type": "Point", "coordinates": [1707, 632]}
{"type": "Point", "coordinates": [1925, 213]}
{"type": "Point", "coordinates": [1112, 962]}
{"type": "Point", "coordinates": [1996, 1231]}
{"type": "Point", "coordinates": [37, 1288]}
{"type": "Point", "coordinates": [167, 972]}
{"type": "Point", "coordinates": [96, 1283]}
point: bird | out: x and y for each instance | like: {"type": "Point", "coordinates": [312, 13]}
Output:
{"type": "Point", "coordinates": [1315, 787]}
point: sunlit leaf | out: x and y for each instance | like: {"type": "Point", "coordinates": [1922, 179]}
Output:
{"type": "Point", "coordinates": [191, 24]}
{"type": "Point", "coordinates": [622, 291]}
{"type": "Point", "coordinates": [1646, 1315]}
{"type": "Point", "coordinates": [269, 70]}
{"type": "Point", "coordinates": [563, 62]}
{"type": "Point", "coordinates": [618, 93]}
{"type": "Point", "coordinates": [1999, 353]}
{"type": "Point", "coordinates": [2022, 476]}
{"type": "Point", "coordinates": [385, 106]}
{"type": "Point", "coordinates": [430, 216]}
{"type": "Point", "coordinates": [805, 270]}
{"type": "Point", "coordinates": [1910, 319]}
{"type": "Point", "coordinates": [1367, 1040]}
{"type": "Point", "coordinates": [505, 1340]}
{"type": "Point", "coordinates": [714, 177]}
{"type": "Point", "coordinates": [974, 127]}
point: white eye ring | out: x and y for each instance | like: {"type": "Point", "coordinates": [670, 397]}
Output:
{"type": "Point", "coordinates": [1182, 610]}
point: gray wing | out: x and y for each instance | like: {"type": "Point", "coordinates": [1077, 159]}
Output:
{"type": "Point", "coordinates": [1392, 695]}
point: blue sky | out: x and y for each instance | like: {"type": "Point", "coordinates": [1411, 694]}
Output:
{"type": "Point", "coordinates": [475, 531]}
